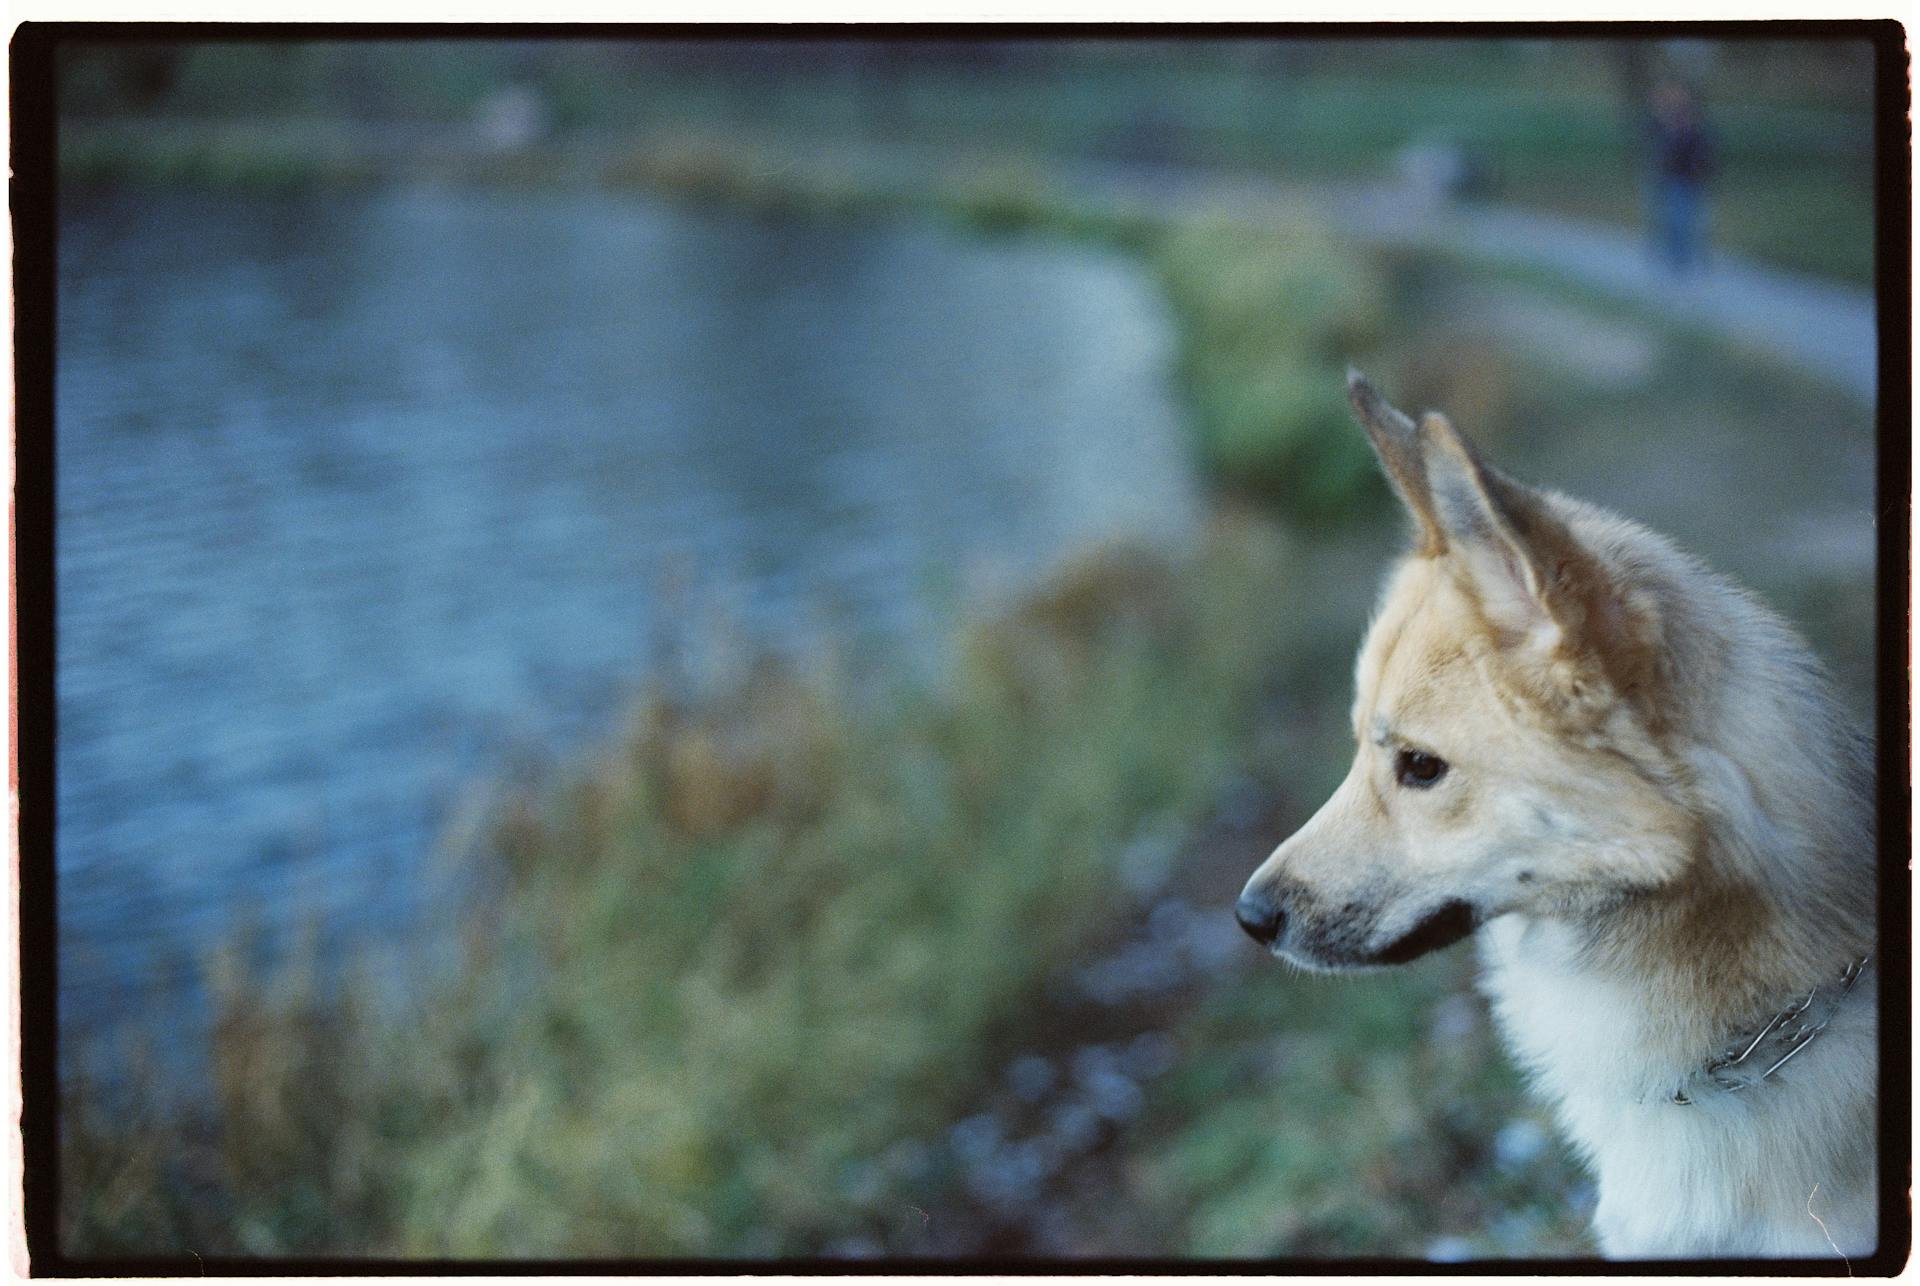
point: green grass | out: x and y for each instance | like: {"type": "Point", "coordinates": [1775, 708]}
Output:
{"type": "Point", "coordinates": [1351, 1117]}
{"type": "Point", "coordinates": [237, 157]}
{"type": "Point", "coordinates": [1815, 221]}
{"type": "Point", "coordinates": [752, 942]}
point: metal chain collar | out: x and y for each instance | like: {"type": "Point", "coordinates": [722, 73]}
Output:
{"type": "Point", "coordinates": [1779, 1041]}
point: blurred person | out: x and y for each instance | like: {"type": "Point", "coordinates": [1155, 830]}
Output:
{"type": "Point", "coordinates": [1682, 159]}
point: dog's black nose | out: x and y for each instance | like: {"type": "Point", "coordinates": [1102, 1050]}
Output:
{"type": "Point", "coordinates": [1259, 917]}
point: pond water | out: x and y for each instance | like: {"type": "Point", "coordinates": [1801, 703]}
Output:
{"type": "Point", "coordinates": [363, 500]}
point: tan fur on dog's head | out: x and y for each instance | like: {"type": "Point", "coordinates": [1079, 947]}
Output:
{"type": "Point", "coordinates": [1512, 706]}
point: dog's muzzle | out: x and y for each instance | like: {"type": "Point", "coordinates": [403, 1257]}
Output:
{"type": "Point", "coordinates": [1348, 939]}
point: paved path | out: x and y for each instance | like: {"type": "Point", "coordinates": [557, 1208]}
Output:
{"type": "Point", "coordinates": [1820, 326]}
{"type": "Point", "coordinates": [1824, 327]}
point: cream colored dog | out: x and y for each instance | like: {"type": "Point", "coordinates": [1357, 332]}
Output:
{"type": "Point", "coordinates": [1634, 782]}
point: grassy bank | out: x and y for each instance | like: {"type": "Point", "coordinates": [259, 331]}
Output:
{"type": "Point", "coordinates": [1337, 1118]}
{"type": "Point", "coordinates": [738, 972]}
{"type": "Point", "coordinates": [753, 943]}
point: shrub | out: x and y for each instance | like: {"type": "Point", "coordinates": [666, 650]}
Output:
{"type": "Point", "coordinates": [1271, 314]}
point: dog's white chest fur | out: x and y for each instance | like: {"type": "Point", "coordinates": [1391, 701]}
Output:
{"type": "Point", "coordinates": [1784, 1168]}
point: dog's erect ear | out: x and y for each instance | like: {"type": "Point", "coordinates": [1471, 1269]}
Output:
{"type": "Point", "coordinates": [1396, 440]}
{"type": "Point", "coordinates": [1531, 577]}
{"type": "Point", "coordinates": [1542, 593]}
{"type": "Point", "coordinates": [1526, 570]}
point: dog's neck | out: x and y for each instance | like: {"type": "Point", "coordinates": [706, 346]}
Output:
{"type": "Point", "coordinates": [1753, 1055]}
{"type": "Point", "coordinates": [1641, 1034]}
{"type": "Point", "coordinates": [1655, 986]}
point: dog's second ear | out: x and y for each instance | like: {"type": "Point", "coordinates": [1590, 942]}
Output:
{"type": "Point", "coordinates": [1521, 565]}
{"type": "Point", "coordinates": [1529, 574]}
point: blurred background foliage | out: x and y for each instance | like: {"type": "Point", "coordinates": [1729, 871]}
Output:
{"type": "Point", "coordinates": [805, 961]}
{"type": "Point", "coordinates": [1553, 119]}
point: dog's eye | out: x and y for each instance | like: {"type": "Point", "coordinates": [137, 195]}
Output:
{"type": "Point", "coordinates": [1418, 768]}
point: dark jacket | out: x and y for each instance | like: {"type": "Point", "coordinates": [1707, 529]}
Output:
{"type": "Point", "coordinates": [1681, 151]}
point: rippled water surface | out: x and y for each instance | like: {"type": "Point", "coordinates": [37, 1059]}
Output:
{"type": "Point", "coordinates": [361, 498]}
